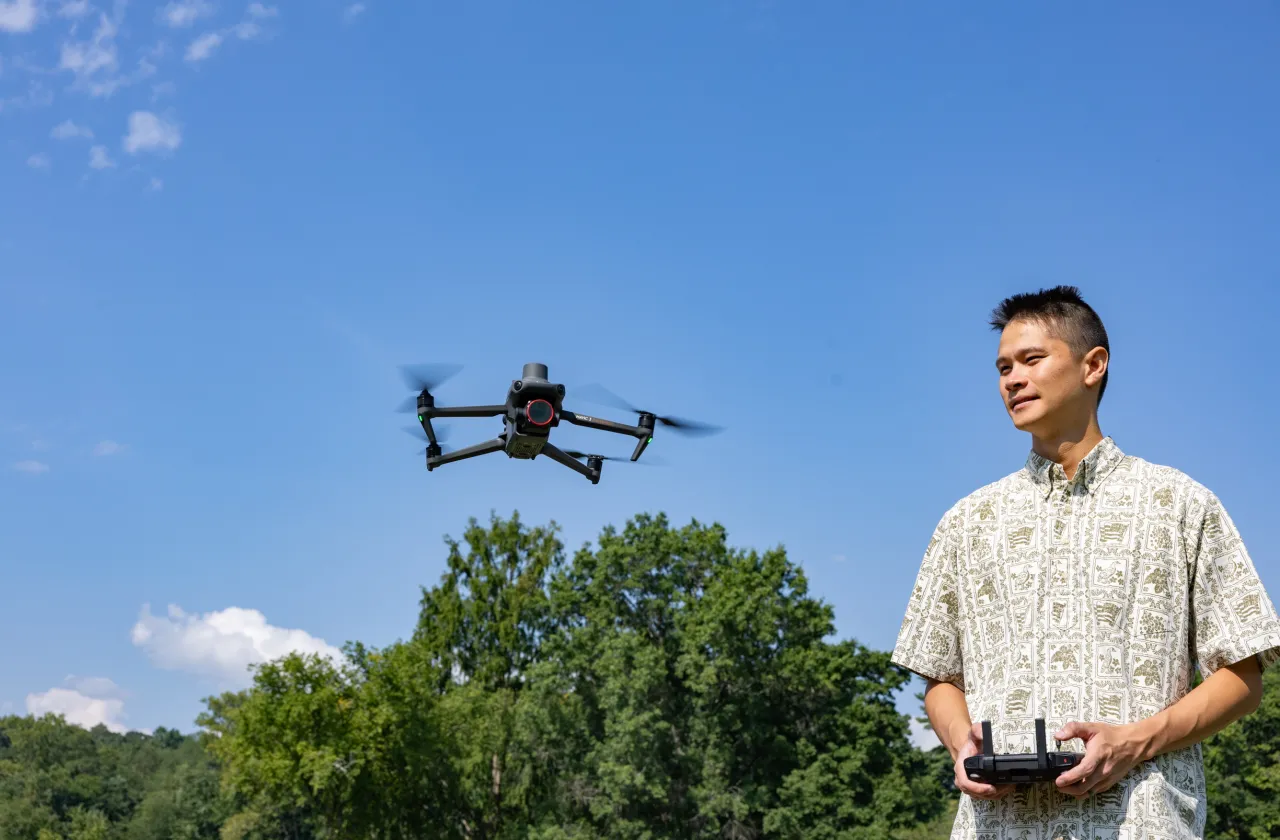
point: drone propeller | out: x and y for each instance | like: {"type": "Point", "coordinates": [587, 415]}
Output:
{"type": "Point", "coordinates": [649, 462]}
{"type": "Point", "coordinates": [599, 394]}
{"type": "Point", "coordinates": [426, 377]}
{"type": "Point", "coordinates": [442, 434]}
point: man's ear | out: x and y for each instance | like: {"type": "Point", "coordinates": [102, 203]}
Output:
{"type": "Point", "coordinates": [1095, 365]}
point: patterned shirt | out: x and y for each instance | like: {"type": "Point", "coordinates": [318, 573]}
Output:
{"type": "Point", "coordinates": [1093, 599]}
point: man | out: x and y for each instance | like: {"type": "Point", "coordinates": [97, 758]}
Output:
{"type": "Point", "coordinates": [1085, 588]}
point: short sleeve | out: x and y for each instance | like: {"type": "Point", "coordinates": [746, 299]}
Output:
{"type": "Point", "coordinates": [929, 640]}
{"type": "Point", "coordinates": [1233, 618]}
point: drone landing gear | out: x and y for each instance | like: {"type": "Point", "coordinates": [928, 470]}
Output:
{"type": "Point", "coordinates": [435, 458]}
{"type": "Point", "coordinates": [590, 470]}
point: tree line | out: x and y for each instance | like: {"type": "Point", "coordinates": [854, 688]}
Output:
{"type": "Point", "coordinates": [660, 685]}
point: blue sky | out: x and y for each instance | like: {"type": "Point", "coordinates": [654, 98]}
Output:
{"type": "Point", "coordinates": [790, 220]}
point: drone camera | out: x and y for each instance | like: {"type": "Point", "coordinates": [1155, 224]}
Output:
{"type": "Point", "coordinates": [539, 412]}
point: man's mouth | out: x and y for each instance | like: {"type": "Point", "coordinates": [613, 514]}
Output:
{"type": "Point", "coordinates": [1017, 401]}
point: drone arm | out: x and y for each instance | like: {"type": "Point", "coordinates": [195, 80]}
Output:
{"type": "Point", "coordinates": [603, 425]}
{"type": "Point", "coordinates": [495, 445]}
{"type": "Point", "coordinates": [556, 454]}
{"type": "Point", "coordinates": [435, 411]}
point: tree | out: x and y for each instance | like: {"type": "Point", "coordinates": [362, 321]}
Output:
{"type": "Point", "coordinates": [663, 685]}
{"type": "Point", "coordinates": [1242, 772]}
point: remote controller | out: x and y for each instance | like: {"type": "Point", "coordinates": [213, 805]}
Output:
{"type": "Point", "coordinates": [1018, 768]}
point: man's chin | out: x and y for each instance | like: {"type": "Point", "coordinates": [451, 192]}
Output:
{"type": "Point", "coordinates": [1026, 419]}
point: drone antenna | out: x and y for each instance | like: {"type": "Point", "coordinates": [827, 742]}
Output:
{"type": "Point", "coordinates": [1042, 751]}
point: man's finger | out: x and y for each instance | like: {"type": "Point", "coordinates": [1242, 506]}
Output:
{"type": "Point", "coordinates": [1073, 729]}
{"type": "Point", "coordinates": [1078, 774]}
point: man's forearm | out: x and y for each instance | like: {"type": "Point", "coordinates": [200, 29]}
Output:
{"type": "Point", "coordinates": [1225, 696]}
{"type": "Point", "coordinates": [948, 714]}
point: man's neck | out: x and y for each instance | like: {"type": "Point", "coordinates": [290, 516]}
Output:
{"type": "Point", "coordinates": [1069, 446]}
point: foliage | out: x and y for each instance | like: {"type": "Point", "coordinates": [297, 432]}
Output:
{"type": "Point", "coordinates": [659, 685]}
{"type": "Point", "coordinates": [1242, 772]}
{"type": "Point", "coordinates": [59, 781]}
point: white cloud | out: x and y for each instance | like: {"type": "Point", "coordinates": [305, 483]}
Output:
{"type": "Point", "coordinates": [31, 467]}
{"type": "Point", "coordinates": [18, 15]}
{"type": "Point", "coordinates": [204, 46]}
{"type": "Point", "coordinates": [184, 13]}
{"type": "Point", "coordinates": [353, 11]}
{"type": "Point", "coordinates": [96, 62]}
{"type": "Point", "coordinates": [87, 703]}
{"type": "Point", "coordinates": [37, 96]}
{"type": "Point", "coordinates": [108, 447]}
{"type": "Point", "coordinates": [99, 159]}
{"type": "Point", "coordinates": [156, 185]}
{"type": "Point", "coordinates": [74, 9]}
{"type": "Point", "coordinates": [150, 133]}
{"type": "Point", "coordinates": [39, 161]}
{"type": "Point", "coordinates": [221, 644]}
{"type": "Point", "coordinates": [88, 58]}
{"type": "Point", "coordinates": [68, 130]}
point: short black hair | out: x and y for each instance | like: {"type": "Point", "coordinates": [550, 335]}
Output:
{"type": "Point", "coordinates": [1063, 311]}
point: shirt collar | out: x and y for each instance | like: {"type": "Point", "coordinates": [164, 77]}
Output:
{"type": "Point", "coordinates": [1091, 471]}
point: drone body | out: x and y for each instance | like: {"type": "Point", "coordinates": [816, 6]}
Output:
{"type": "Point", "coordinates": [534, 406]}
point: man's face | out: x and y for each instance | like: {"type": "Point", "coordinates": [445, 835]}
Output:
{"type": "Point", "coordinates": [1041, 383]}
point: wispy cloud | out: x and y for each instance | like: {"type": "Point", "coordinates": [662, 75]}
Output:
{"type": "Point", "coordinates": [68, 130]}
{"type": "Point", "coordinates": [74, 9]}
{"type": "Point", "coordinates": [151, 133]}
{"type": "Point", "coordinates": [204, 46]}
{"type": "Point", "coordinates": [108, 447]}
{"type": "Point", "coordinates": [98, 54]}
{"type": "Point", "coordinates": [99, 159]}
{"type": "Point", "coordinates": [31, 467]}
{"type": "Point", "coordinates": [37, 96]}
{"type": "Point", "coordinates": [39, 161]}
{"type": "Point", "coordinates": [184, 13]}
{"type": "Point", "coordinates": [18, 15]}
{"type": "Point", "coordinates": [353, 11]}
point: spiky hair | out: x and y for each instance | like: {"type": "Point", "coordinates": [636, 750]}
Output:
{"type": "Point", "coordinates": [1064, 313]}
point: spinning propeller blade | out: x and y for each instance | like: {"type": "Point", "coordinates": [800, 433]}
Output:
{"type": "Point", "coordinates": [442, 434]}
{"type": "Point", "coordinates": [425, 377]}
{"type": "Point", "coordinates": [646, 462]}
{"type": "Point", "coordinates": [603, 396]}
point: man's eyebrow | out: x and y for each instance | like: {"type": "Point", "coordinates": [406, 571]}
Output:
{"type": "Point", "coordinates": [1024, 351]}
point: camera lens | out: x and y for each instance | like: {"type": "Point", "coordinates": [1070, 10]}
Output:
{"type": "Point", "coordinates": [539, 412]}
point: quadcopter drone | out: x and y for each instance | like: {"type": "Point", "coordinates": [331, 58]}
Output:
{"type": "Point", "coordinates": [533, 408]}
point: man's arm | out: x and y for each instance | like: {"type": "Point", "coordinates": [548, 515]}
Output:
{"type": "Point", "coordinates": [1111, 751]}
{"type": "Point", "coordinates": [1228, 694]}
{"type": "Point", "coordinates": [948, 714]}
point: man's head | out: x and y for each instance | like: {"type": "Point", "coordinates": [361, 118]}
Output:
{"type": "Point", "coordinates": [1052, 360]}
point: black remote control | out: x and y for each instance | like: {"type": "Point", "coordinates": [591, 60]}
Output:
{"type": "Point", "coordinates": [1018, 768]}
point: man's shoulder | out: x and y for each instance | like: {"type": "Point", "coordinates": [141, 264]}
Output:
{"type": "Point", "coordinates": [987, 498]}
{"type": "Point", "coordinates": [1164, 483]}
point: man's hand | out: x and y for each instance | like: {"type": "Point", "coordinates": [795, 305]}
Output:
{"type": "Point", "coordinates": [972, 745]}
{"type": "Point", "coordinates": [1111, 751]}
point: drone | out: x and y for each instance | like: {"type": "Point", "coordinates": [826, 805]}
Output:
{"type": "Point", "coordinates": [534, 407]}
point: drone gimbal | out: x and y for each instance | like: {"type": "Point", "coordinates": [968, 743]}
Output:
{"type": "Point", "coordinates": [534, 406]}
